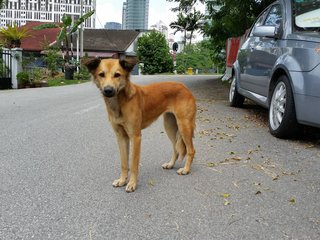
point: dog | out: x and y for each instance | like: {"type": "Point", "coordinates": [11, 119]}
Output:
{"type": "Point", "coordinates": [132, 108]}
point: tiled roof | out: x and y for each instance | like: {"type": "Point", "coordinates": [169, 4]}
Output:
{"type": "Point", "coordinates": [38, 37]}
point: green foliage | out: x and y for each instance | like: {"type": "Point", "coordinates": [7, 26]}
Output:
{"type": "Point", "coordinates": [180, 69]}
{"type": "Point", "coordinates": [12, 35]}
{"type": "Point", "coordinates": [226, 18]}
{"type": "Point", "coordinates": [3, 3]}
{"type": "Point", "coordinates": [153, 52]}
{"type": "Point", "coordinates": [189, 20]}
{"type": "Point", "coordinates": [53, 59]}
{"type": "Point", "coordinates": [196, 56]}
{"type": "Point", "coordinates": [3, 67]}
{"type": "Point", "coordinates": [65, 31]}
{"type": "Point", "coordinates": [23, 78]}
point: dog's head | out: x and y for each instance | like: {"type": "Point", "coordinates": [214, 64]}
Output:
{"type": "Point", "coordinates": [110, 75]}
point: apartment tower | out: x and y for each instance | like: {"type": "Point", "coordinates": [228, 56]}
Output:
{"type": "Point", "coordinates": [135, 14]}
{"type": "Point", "coordinates": [21, 11]}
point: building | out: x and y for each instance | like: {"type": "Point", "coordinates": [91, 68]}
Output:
{"type": "Point", "coordinates": [135, 14]}
{"type": "Point", "coordinates": [160, 27]}
{"type": "Point", "coordinates": [113, 25]}
{"type": "Point", "coordinates": [21, 11]}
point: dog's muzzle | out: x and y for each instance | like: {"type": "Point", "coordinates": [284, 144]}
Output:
{"type": "Point", "coordinates": [109, 91]}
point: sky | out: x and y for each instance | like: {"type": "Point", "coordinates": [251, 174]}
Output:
{"type": "Point", "coordinates": [111, 11]}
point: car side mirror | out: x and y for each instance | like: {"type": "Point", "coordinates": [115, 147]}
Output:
{"type": "Point", "coordinates": [266, 31]}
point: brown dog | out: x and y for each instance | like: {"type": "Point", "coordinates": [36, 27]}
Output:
{"type": "Point", "coordinates": [132, 108]}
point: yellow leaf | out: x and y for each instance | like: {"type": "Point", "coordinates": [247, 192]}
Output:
{"type": "Point", "coordinates": [226, 203]}
{"type": "Point", "coordinates": [225, 195]}
{"type": "Point", "coordinates": [210, 164]}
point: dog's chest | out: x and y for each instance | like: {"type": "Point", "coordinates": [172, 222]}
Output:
{"type": "Point", "coordinates": [114, 110]}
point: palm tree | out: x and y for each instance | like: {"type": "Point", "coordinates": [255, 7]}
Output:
{"type": "Point", "coordinates": [180, 25]}
{"type": "Point", "coordinates": [12, 35]}
{"type": "Point", "coordinates": [190, 22]}
{"type": "Point", "coordinates": [194, 20]}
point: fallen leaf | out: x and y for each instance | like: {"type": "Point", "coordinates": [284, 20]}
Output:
{"type": "Point", "coordinates": [292, 200]}
{"type": "Point", "coordinates": [211, 164]}
{"type": "Point", "coordinates": [150, 182]}
{"type": "Point", "coordinates": [225, 195]}
{"type": "Point", "coordinates": [226, 202]}
{"type": "Point", "coordinates": [236, 158]}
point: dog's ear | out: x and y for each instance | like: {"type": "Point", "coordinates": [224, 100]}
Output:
{"type": "Point", "coordinates": [92, 64]}
{"type": "Point", "coordinates": [128, 64]}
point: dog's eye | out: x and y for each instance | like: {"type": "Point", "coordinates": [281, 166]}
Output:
{"type": "Point", "coordinates": [101, 74]}
{"type": "Point", "coordinates": [116, 75]}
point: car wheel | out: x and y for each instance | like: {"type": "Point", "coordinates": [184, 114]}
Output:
{"type": "Point", "coordinates": [282, 114]}
{"type": "Point", "coordinates": [235, 99]}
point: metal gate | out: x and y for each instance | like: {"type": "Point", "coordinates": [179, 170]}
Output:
{"type": "Point", "coordinates": [5, 69]}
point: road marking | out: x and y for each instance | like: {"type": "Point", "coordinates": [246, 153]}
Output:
{"type": "Point", "coordinates": [87, 109]}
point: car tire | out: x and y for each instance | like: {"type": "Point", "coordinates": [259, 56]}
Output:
{"type": "Point", "coordinates": [282, 113]}
{"type": "Point", "coordinates": [235, 99]}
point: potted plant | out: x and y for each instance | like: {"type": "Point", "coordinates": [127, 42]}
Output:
{"type": "Point", "coordinates": [12, 35]}
{"type": "Point", "coordinates": [23, 79]}
{"type": "Point", "coordinates": [67, 28]}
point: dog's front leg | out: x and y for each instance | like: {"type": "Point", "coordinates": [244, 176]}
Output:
{"type": "Point", "coordinates": [136, 145]}
{"type": "Point", "coordinates": [123, 143]}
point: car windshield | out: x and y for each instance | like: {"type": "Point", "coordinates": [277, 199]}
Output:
{"type": "Point", "coordinates": [306, 15]}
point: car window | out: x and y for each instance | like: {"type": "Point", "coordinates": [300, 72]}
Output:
{"type": "Point", "coordinates": [274, 16]}
{"type": "Point", "coordinates": [306, 14]}
{"type": "Point", "coordinates": [259, 21]}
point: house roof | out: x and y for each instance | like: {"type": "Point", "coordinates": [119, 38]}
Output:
{"type": "Point", "coordinates": [107, 40]}
{"type": "Point", "coordinates": [38, 37]}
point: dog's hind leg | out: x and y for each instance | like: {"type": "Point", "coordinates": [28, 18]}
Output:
{"type": "Point", "coordinates": [171, 127]}
{"type": "Point", "coordinates": [186, 128]}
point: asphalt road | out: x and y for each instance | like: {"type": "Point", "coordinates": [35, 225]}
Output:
{"type": "Point", "coordinates": [58, 159]}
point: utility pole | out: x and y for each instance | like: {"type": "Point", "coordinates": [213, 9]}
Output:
{"type": "Point", "coordinates": [81, 30]}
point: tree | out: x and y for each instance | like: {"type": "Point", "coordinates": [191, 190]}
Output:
{"type": "Point", "coordinates": [189, 20]}
{"type": "Point", "coordinates": [67, 28]}
{"type": "Point", "coordinates": [197, 56]}
{"type": "Point", "coordinates": [153, 52]}
{"type": "Point", "coordinates": [225, 19]}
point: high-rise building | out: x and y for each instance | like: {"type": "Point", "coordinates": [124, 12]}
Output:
{"type": "Point", "coordinates": [113, 25]}
{"type": "Point", "coordinates": [21, 11]}
{"type": "Point", "coordinates": [135, 14]}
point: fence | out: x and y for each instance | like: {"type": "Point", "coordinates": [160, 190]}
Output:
{"type": "Point", "coordinates": [10, 65]}
{"type": "Point", "coordinates": [5, 69]}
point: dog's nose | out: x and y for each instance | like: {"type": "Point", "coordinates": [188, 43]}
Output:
{"type": "Point", "coordinates": [109, 91]}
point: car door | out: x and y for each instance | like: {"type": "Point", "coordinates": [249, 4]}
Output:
{"type": "Point", "coordinates": [263, 54]}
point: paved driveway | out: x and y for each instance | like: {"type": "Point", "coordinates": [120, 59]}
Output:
{"type": "Point", "coordinates": [58, 158]}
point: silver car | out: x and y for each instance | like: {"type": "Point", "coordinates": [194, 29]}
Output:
{"type": "Point", "coordinates": [278, 66]}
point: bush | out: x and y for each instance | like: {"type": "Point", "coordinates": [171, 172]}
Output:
{"type": "Point", "coordinates": [153, 52]}
{"type": "Point", "coordinates": [23, 78]}
{"type": "Point", "coordinates": [181, 69]}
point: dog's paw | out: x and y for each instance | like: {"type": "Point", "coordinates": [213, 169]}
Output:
{"type": "Point", "coordinates": [167, 166]}
{"type": "Point", "coordinates": [182, 171]}
{"type": "Point", "coordinates": [131, 187]}
{"type": "Point", "coordinates": [119, 183]}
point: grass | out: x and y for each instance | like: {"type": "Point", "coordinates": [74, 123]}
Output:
{"type": "Point", "coordinates": [61, 81]}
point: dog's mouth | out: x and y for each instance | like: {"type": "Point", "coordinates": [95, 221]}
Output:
{"type": "Point", "coordinates": [109, 91]}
